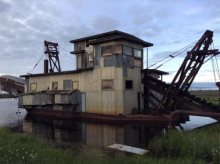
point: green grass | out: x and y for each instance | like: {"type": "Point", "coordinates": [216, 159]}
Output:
{"type": "Point", "coordinates": [197, 146]}
{"type": "Point", "coordinates": [201, 144]}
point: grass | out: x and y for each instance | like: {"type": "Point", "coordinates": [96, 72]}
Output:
{"type": "Point", "coordinates": [197, 146]}
{"type": "Point", "coordinates": [200, 144]}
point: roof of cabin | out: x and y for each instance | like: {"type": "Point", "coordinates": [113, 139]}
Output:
{"type": "Point", "coordinates": [59, 73]}
{"type": "Point", "coordinates": [155, 71]}
{"type": "Point", "coordinates": [111, 35]}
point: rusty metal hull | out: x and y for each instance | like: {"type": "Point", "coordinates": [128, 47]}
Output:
{"type": "Point", "coordinates": [117, 119]}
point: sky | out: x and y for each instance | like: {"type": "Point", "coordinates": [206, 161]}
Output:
{"type": "Point", "coordinates": [170, 25]}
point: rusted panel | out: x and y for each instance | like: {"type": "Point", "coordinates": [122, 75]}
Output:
{"type": "Point", "coordinates": [137, 63]}
{"type": "Point", "coordinates": [118, 49]}
{"type": "Point", "coordinates": [97, 55]}
{"type": "Point", "coordinates": [84, 60]}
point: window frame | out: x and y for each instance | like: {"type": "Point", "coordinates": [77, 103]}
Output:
{"type": "Point", "coordinates": [107, 46]}
{"type": "Point", "coordinates": [121, 48]}
{"type": "Point", "coordinates": [77, 85]}
{"type": "Point", "coordinates": [107, 89]}
{"type": "Point", "coordinates": [30, 87]}
{"type": "Point", "coordinates": [136, 56]}
{"type": "Point", "coordinates": [132, 84]}
{"type": "Point", "coordinates": [53, 85]}
{"type": "Point", "coordinates": [132, 54]}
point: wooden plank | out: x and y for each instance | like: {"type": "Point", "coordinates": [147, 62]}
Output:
{"type": "Point", "coordinates": [129, 149]}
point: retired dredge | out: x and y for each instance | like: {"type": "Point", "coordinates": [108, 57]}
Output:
{"type": "Point", "coordinates": [110, 83]}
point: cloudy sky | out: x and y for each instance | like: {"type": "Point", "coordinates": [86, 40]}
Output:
{"type": "Point", "coordinates": [170, 25]}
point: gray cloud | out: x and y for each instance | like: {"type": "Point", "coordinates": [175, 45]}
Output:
{"type": "Point", "coordinates": [104, 23]}
{"type": "Point", "coordinates": [4, 6]}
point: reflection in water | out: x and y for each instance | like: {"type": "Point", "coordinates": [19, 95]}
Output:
{"type": "Point", "coordinates": [99, 135]}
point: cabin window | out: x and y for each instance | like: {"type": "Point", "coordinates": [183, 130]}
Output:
{"type": "Point", "coordinates": [137, 53]}
{"type": "Point", "coordinates": [90, 57]}
{"type": "Point", "coordinates": [33, 87]}
{"type": "Point", "coordinates": [107, 50]}
{"type": "Point", "coordinates": [107, 84]}
{"type": "Point", "coordinates": [127, 50]}
{"type": "Point", "coordinates": [118, 49]}
{"type": "Point", "coordinates": [54, 85]}
{"type": "Point", "coordinates": [75, 85]}
{"type": "Point", "coordinates": [67, 84]}
{"type": "Point", "coordinates": [128, 84]}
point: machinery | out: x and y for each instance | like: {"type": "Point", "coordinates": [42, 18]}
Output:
{"type": "Point", "coordinates": [176, 95]}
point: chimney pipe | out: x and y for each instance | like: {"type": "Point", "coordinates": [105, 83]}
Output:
{"type": "Point", "coordinates": [45, 66]}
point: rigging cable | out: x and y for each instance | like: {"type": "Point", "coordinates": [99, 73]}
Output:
{"type": "Point", "coordinates": [172, 55]}
{"type": "Point", "coordinates": [213, 69]}
{"type": "Point", "coordinates": [36, 64]}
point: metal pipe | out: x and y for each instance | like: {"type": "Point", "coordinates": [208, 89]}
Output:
{"type": "Point", "coordinates": [45, 66]}
{"type": "Point", "coordinates": [193, 113]}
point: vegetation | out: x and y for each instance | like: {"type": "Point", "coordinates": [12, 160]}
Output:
{"type": "Point", "coordinates": [197, 146]}
{"type": "Point", "coordinates": [209, 95]}
{"type": "Point", "coordinates": [200, 144]}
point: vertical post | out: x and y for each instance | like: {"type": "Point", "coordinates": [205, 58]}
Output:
{"type": "Point", "coordinates": [147, 57]}
{"type": "Point", "coordinates": [45, 66]}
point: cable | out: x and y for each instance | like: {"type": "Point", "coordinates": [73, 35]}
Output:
{"type": "Point", "coordinates": [64, 49]}
{"type": "Point", "coordinates": [172, 55]}
{"type": "Point", "coordinates": [36, 64]}
{"type": "Point", "coordinates": [213, 69]}
{"type": "Point", "coordinates": [68, 56]}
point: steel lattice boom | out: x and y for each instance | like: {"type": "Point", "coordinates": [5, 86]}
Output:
{"type": "Point", "coordinates": [188, 71]}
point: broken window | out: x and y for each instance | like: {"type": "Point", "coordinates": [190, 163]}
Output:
{"type": "Point", "coordinates": [75, 85]}
{"type": "Point", "coordinates": [128, 84]}
{"type": "Point", "coordinates": [118, 49]}
{"type": "Point", "coordinates": [137, 53]}
{"type": "Point", "coordinates": [127, 50]}
{"type": "Point", "coordinates": [107, 84]}
{"type": "Point", "coordinates": [54, 85]}
{"type": "Point", "coordinates": [33, 87]}
{"type": "Point", "coordinates": [107, 50]}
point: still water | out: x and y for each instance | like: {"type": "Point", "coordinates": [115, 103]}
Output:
{"type": "Point", "coordinates": [93, 134]}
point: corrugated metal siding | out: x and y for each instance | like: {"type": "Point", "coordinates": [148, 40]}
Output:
{"type": "Point", "coordinates": [97, 55]}
{"type": "Point", "coordinates": [27, 83]}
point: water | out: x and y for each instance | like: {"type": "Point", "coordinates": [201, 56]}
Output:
{"type": "Point", "coordinates": [93, 134]}
{"type": "Point", "coordinates": [203, 86]}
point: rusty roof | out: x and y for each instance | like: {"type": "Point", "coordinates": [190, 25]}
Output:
{"type": "Point", "coordinates": [115, 35]}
